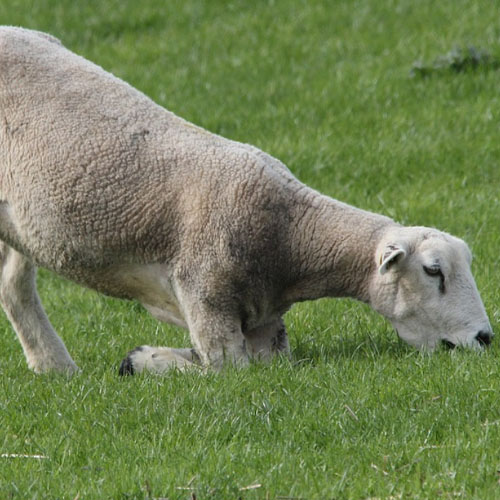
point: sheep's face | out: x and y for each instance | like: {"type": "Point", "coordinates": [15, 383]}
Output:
{"type": "Point", "coordinates": [424, 286]}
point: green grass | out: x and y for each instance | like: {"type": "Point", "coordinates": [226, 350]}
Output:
{"type": "Point", "coordinates": [326, 87]}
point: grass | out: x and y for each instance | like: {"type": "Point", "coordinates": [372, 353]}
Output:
{"type": "Point", "coordinates": [326, 87]}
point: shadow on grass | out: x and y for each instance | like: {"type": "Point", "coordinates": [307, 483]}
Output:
{"type": "Point", "coordinates": [457, 60]}
{"type": "Point", "coordinates": [311, 350]}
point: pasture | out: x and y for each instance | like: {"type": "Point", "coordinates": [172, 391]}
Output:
{"type": "Point", "coordinates": [328, 88]}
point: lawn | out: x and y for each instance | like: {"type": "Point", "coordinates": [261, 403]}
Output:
{"type": "Point", "coordinates": [327, 87]}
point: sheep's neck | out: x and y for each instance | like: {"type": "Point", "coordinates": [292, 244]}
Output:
{"type": "Point", "coordinates": [333, 249]}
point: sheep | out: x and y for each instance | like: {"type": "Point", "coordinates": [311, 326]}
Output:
{"type": "Point", "coordinates": [104, 187]}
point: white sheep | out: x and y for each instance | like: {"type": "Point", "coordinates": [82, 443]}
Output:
{"type": "Point", "coordinates": [110, 190]}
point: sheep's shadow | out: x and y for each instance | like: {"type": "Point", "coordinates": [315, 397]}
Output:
{"type": "Point", "coordinates": [310, 351]}
{"type": "Point", "coordinates": [326, 330]}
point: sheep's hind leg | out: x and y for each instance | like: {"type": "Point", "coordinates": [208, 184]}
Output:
{"type": "Point", "coordinates": [265, 342]}
{"type": "Point", "coordinates": [43, 349]}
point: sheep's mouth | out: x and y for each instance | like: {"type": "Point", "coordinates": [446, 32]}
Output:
{"type": "Point", "coordinates": [447, 344]}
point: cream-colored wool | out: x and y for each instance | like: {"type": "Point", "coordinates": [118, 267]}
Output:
{"type": "Point", "coordinates": [108, 189]}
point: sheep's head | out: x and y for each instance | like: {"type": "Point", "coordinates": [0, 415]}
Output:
{"type": "Point", "coordinates": [424, 286]}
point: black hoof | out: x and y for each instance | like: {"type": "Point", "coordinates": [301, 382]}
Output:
{"type": "Point", "coordinates": [126, 366]}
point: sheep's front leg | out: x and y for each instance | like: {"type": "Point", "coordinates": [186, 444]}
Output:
{"type": "Point", "coordinates": [43, 349]}
{"type": "Point", "coordinates": [213, 321]}
{"type": "Point", "coordinates": [216, 339]}
{"type": "Point", "coordinates": [215, 332]}
{"type": "Point", "coordinates": [211, 349]}
{"type": "Point", "coordinates": [157, 360]}
{"type": "Point", "coordinates": [264, 342]}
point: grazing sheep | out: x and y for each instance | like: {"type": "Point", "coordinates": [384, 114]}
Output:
{"type": "Point", "coordinates": [110, 190]}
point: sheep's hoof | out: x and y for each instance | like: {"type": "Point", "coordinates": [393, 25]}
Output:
{"type": "Point", "coordinates": [65, 368]}
{"type": "Point", "coordinates": [127, 364]}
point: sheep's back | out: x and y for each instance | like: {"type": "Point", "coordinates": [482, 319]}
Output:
{"type": "Point", "coordinates": [94, 172]}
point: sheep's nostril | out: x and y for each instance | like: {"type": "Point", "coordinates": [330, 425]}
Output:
{"type": "Point", "coordinates": [484, 338]}
{"type": "Point", "coordinates": [448, 344]}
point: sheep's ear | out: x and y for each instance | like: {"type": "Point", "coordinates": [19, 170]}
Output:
{"type": "Point", "coordinates": [392, 253]}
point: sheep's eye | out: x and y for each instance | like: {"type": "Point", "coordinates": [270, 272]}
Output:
{"type": "Point", "coordinates": [436, 271]}
{"type": "Point", "coordinates": [432, 270]}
